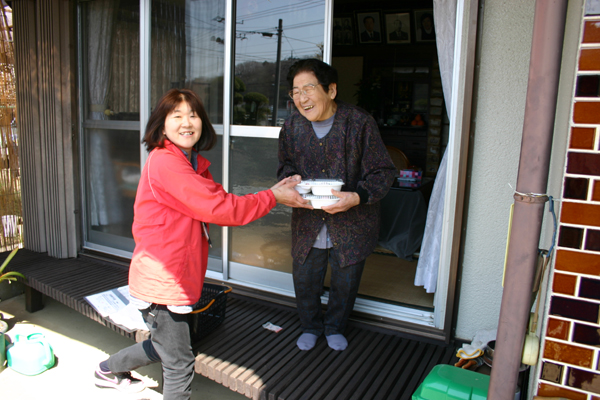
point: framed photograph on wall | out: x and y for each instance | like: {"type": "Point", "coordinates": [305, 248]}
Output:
{"type": "Point", "coordinates": [397, 27]}
{"type": "Point", "coordinates": [369, 27]}
{"type": "Point", "coordinates": [343, 34]}
{"type": "Point", "coordinates": [424, 29]}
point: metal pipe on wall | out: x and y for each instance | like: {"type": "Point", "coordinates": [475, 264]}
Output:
{"type": "Point", "coordinates": [530, 198]}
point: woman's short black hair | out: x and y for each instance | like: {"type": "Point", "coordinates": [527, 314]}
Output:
{"type": "Point", "coordinates": [325, 73]}
{"type": "Point", "coordinates": [154, 136]}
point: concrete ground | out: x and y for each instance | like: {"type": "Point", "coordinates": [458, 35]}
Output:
{"type": "Point", "coordinates": [79, 344]}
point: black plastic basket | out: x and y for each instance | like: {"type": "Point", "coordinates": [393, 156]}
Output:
{"type": "Point", "coordinates": [209, 311]}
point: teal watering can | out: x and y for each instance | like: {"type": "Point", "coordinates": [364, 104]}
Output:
{"type": "Point", "coordinates": [30, 354]}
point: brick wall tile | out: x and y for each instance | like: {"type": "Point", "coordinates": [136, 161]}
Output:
{"type": "Point", "coordinates": [583, 163]}
{"type": "Point", "coordinates": [574, 309]}
{"type": "Point", "coordinates": [586, 112]}
{"type": "Point", "coordinates": [573, 261]}
{"type": "Point", "coordinates": [587, 216]}
{"type": "Point", "coordinates": [586, 334]}
{"type": "Point", "coordinates": [591, 32]}
{"type": "Point", "coordinates": [569, 236]}
{"type": "Point", "coordinates": [587, 86]}
{"type": "Point", "coordinates": [589, 288]}
{"type": "Point", "coordinates": [577, 188]}
{"type": "Point", "coordinates": [580, 214]}
{"type": "Point", "coordinates": [589, 60]}
{"type": "Point", "coordinates": [569, 354]}
{"type": "Point", "coordinates": [596, 191]}
{"type": "Point", "coordinates": [558, 328]}
{"type": "Point", "coordinates": [584, 380]}
{"type": "Point", "coordinates": [555, 391]}
{"type": "Point", "coordinates": [564, 284]}
{"type": "Point", "coordinates": [552, 372]}
{"type": "Point", "coordinates": [592, 240]}
{"type": "Point", "coordinates": [582, 138]}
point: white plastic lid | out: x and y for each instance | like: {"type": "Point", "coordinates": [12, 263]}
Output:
{"type": "Point", "coordinates": [305, 184]}
{"type": "Point", "coordinates": [324, 182]}
{"type": "Point", "coordinates": [317, 197]}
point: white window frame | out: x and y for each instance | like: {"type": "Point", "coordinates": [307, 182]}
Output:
{"type": "Point", "coordinates": [280, 283]}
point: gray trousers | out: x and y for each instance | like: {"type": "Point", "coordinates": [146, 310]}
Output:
{"type": "Point", "coordinates": [308, 285]}
{"type": "Point", "coordinates": [170, 344]}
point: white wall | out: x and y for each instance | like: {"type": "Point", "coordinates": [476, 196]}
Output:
{"type": "Point", "coordinates": [499, 101]}
{"type": "Point", "coordinates": [498, 114]}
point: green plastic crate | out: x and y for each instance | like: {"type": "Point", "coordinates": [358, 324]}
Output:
{"type": "Point", "coordinates": [447, 382]}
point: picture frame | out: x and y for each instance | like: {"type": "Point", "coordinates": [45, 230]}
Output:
{"type": "Point", "coordinates": [397, 28]}
{"type": "Point", "coordinates": [424, 25]}
{"type": "Point", "coordinates": [369, 27]}
{"type": "Point", "coordinates": [343, 31]}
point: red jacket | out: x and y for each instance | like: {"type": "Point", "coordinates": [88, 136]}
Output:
{"type": "Point", "coordinates": [171, 252]}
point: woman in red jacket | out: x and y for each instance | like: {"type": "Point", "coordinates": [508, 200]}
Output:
{"type": "Point", "coordinates": [176, 199]}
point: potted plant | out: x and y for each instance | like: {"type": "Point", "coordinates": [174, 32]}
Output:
{"type": "Point", "coordinates": [10, 277]}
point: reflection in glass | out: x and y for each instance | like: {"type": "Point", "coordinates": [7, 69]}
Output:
{"type": "Point", "coordinates": [111, 157]}
{"type": "Point", "coordinates": [187, 51]}
{"type": "Point", "coordinates": [263, 51]}
{"type": "Point", "coordinates": [215, 156]}
{"type": "Point", "coordinates": [112, 48]}
{"type": "Point", "coordinates": [112, 176]}
{"type": "Point", "coordinates": [266, 242]}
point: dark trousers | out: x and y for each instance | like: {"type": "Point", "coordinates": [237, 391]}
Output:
{"type": "Point", "coordinates": [170, 344]}
{"type": "Point", "coordinates": [308, 284]}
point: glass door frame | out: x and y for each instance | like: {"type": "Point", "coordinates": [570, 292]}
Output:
{"type": "Point", "coordinates": [462, 82]}
{"type": "Point", "coordinates": [85, 123]}
{"type": "Point", "coordinates": [277, 282]}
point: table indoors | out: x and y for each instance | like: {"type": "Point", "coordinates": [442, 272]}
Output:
{"type": "Point", "coordinates": [403, 215]}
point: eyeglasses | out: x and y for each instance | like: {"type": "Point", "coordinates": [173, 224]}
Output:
{"type": "Point", "coordinates": [307, 90]}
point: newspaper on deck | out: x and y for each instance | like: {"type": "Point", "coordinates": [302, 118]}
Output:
{"type": "Point", "coordinates": [114, 305]}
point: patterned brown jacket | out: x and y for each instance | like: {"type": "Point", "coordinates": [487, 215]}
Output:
{"type": "Point", "coordinates": [352, 151]}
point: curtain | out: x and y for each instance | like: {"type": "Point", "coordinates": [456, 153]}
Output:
{"type": "Point", "coordinates": [168, 48]}
{"type": "Point", "coordinates": [99, 33]}
{"type": "Point", "coordinates": [444, 15]}
{"type": "Point", "coordinates": [123, 96]}
{"type": "Point", "coordinates": [205, 46]}
{"type": "Point", "coordinates": [104, 193]}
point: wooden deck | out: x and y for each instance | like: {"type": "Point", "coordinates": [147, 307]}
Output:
{"type": "Point", "coordinates": [68, 281]}
{"type": "Point", "coordinates": [261, 364]}
{"type": "Point", "coordinates": [251, 360]}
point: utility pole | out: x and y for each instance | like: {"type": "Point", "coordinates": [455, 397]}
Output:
{"type": "Point", "coordinates": [277, 72]}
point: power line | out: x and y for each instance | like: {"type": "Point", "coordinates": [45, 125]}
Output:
{"type": "Point", "coordinates": [287, 9]}
{"type": "Point", "coordinates": [300, 40]}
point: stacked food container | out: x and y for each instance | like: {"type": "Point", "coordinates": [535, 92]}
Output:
{"type": "Point", "coordinates": [318, 191]}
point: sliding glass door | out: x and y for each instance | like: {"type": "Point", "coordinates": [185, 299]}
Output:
{"type": "Point", "coordinates": [269, 38]}
{"type": "Point", "coordinates": [186, 50]}
{"type": "Point", "coordinates": [110, 101]}
{"type": "Point", "coordinates": [235, 55]}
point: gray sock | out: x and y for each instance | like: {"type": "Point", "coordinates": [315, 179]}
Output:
{"type": "Point", "coordinates": [104, 366]}
{"type": "Point", "coordinates": [307, 341]}
{"type": "Point", "coordinates": [337, 342]}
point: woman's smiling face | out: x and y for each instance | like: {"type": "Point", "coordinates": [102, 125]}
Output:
{"type": "Point", "coordinates": [183, 127]}
{"type": "Point", "coordinates": [320, 105]}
